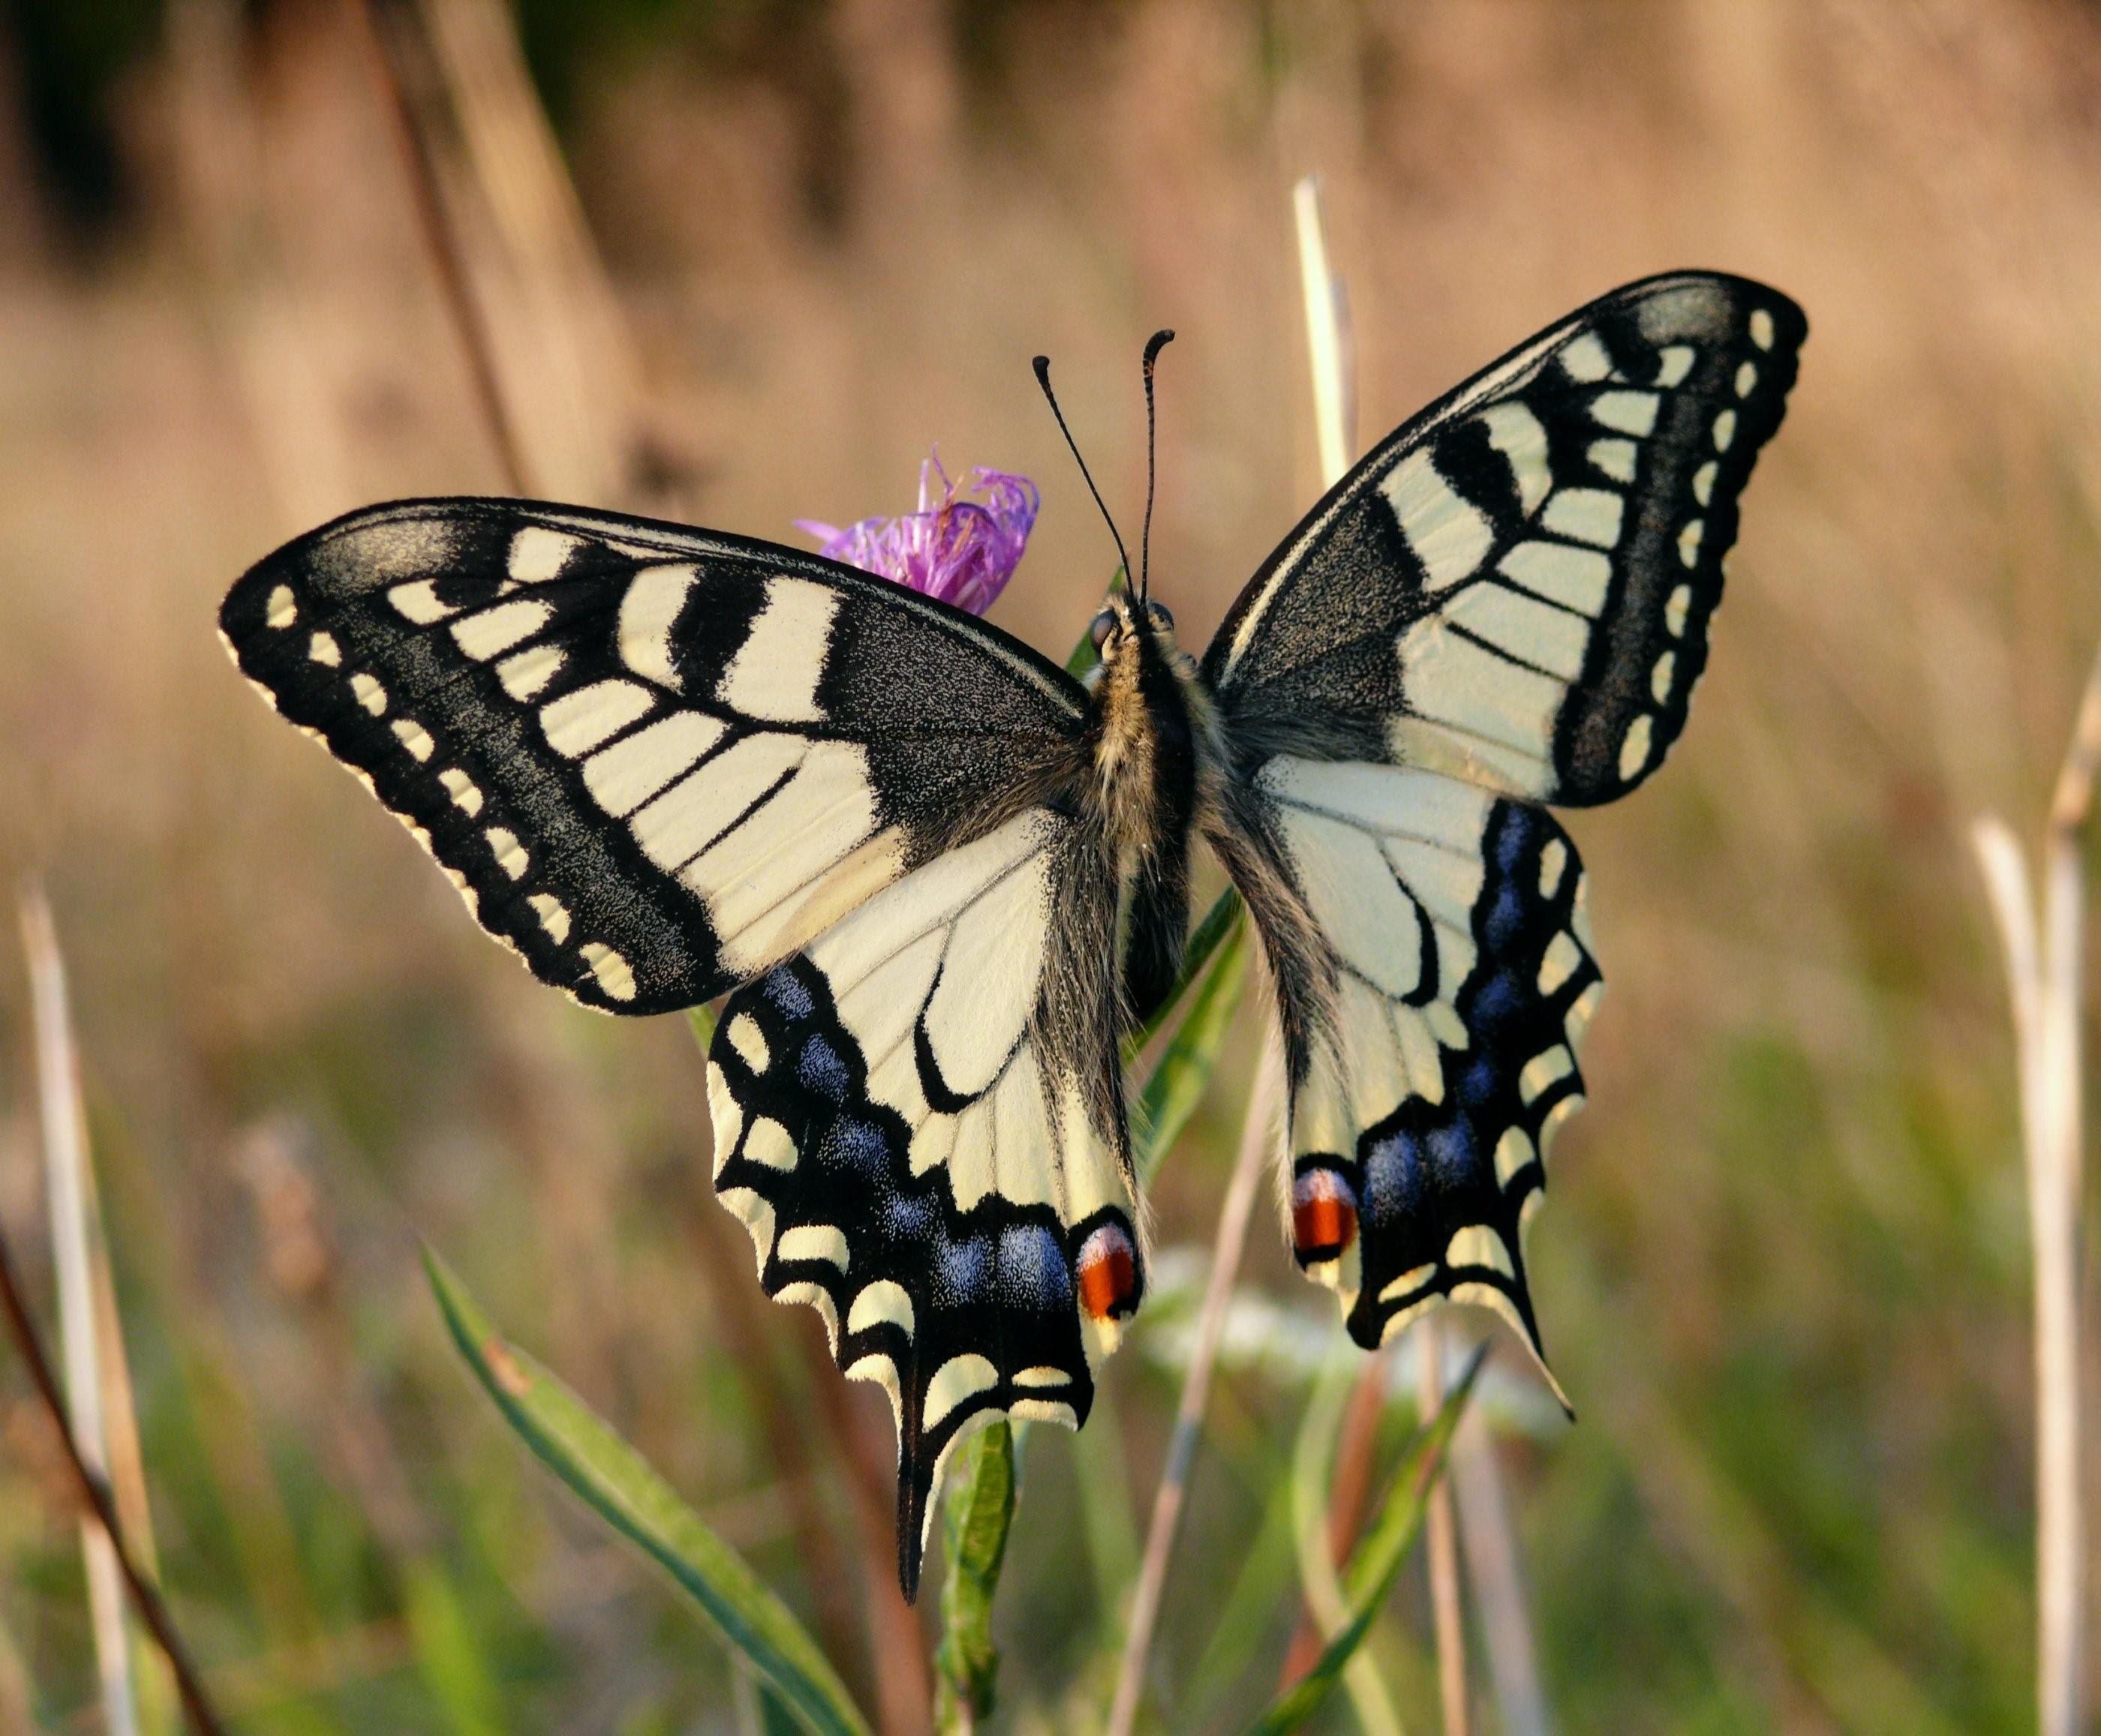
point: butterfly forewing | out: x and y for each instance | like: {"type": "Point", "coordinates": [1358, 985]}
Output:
{"type": "Point", "coordinates": [654, 760]}
{"type": "Point", "coordinates": [1515, 588]}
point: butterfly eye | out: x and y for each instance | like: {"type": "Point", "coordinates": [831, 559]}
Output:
{"type": "Point", "coordinates": [1162, 618]}
{"type": "Point", "coordinates": [1104, 625]}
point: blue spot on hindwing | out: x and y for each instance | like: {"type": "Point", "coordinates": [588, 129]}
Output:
{"type": "Point", "coordinates": [856, 1144]}
{"type": "Point", "coordinates": [789, 998]}
{"type": "Point", "coordinates": [962, 1271]}
{"type": "Point", "coordinates": [820, 1070]}
{"type": "Point", "coordinates": [1452, 1154]}
{"type": "Point", "coordinates": [1031, 1268]}
{"type": "Point", "coordinates": [1393, 1178]}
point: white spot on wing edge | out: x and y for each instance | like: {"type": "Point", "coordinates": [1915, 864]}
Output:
{"type": "Point", "coordinates": [883, 1302]}
{"type": "Point", "coordinates": [322, 648]}
{"type": "Point", "coordinates": [756, 1213]}
{"type": "Point", "coordinates": [750, 1042]}
{"type": "Point", "coordinates": [959, 1378]}
{"type": "Point", "coordinates": [1513, 1150]}
{"type": "Point", "coordinates": [824, 1241]}
{"type": "Point", "coordinates": [1634, 747]}
{"type": "Point", "coordinates": [554, 916]}
{"type": "Point", "coordinates": [509, 853]}
{"type": "Point", "coordinates": [1676, 610]}
{"type": "Point", "coordinates": [1762, 328]}
{"type": "Point", "coordinates": [1562, 960]}
{"type": "Point", "coordinates": [537, 552]}
{"type": "Point", "coordinates": [1553, 859]}
{"type": "Point", "coordinates": [280, 611]}
{"type": "Point", "coordinates": [465, 791]}
{"type": "Point", "coordinates": [1477, 1244]}
{"type": "Point", "coordinates": [1660, 677]}
{"type": "Point", "coordinates": [414, 737]}
{"type": "Point", "coordinates": [371, 694]}
{"type": "Point", "coordinates": [770, 1143]}
{"type": "Point", "coordinates": [1542, 1070]}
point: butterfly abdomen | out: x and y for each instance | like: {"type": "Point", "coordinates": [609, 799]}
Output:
{"type": "Point", "coordinates": [1151, 735]}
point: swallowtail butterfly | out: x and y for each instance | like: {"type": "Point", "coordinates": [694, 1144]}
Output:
{"type": "Point", "coordinates": [938, 878]}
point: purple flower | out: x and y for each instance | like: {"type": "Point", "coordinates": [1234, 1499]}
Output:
{"type": "Point", "coordinates": [962, 549]}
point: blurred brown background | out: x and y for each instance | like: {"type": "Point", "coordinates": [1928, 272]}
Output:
{"type": "Point", "coordinates": [744, 261]}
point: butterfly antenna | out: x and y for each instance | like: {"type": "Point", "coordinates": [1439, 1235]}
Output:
{"type": "Point", "coordinates": [1154, 345]}
{"type": "Point", "coordinates": [1042, 365]}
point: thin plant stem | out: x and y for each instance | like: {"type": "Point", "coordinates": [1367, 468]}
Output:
{"type": "Point", "coordinates": [1234, 1216]}
{"type": "Point", "coordinates": [396, 84]}
{"type": "Point", "coordinates": [65, 1163]}
{"type": "Point", "coordinates": [21, 1327]}
{"type": "Point", "coordinates": [1497, 1578]}
{"type": "Point", "coordinates": [1336, 1394]}
{"type": "Point", "coordinates": [1443, 1539]}
{"type": "Point", "coordinates": [2043, 953]}
{"type": "Point", "coordinates": [1349, 1499]}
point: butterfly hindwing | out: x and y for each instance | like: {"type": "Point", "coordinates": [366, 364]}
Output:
{"type": "Point", "coordinates": [920, 1120]}
{"type": "Point", "coordinates": [1440, 983]}
{"type": "Point", "coordinates": [654, 760]}
{"type": "Point", "coordinates": [1514, 587]}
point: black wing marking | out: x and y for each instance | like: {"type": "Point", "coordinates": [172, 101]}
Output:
{"type": "Point", "coordinates": [654, 760]}
{"type": "Point", "coordinates": [1514, 587]}
{"type": "Point", "coordinates": [1433, 956]}
{"type": "Point", "coordinates": [920, 1121]}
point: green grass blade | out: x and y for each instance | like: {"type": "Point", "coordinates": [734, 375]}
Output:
{"type": "Point", "coordinates": [978, 1512]}
{"type": "Point", "coordinates": [1377, 1563]}
{"type": "Point", "coordinates": [616, 1484]}
{"type": "Point", "coordinates": [1176, 1085]}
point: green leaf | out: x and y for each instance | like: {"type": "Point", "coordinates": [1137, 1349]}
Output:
{"type": "Point", "coordinates": [614, 1480]}
{"type": "Point", "coordinates": [1176, 1085]}
{"type": "Point", "coordinates": [979, 1511]}
{"type": "Point", "coordinates": [1377, 1562]}
{"type": "Point", "coordinates": [702, 1019]}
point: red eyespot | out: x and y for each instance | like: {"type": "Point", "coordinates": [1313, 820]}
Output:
{"type": "Point", "coordinates": [1109, 1274]}
{"type": "Point", "coordinates": [1324, 1215]}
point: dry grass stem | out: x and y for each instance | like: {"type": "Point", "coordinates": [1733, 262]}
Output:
{"type": "Point", "coordinates": [2043, 961]}
{"type": "Point", "coordinates": [384, 40]}
{"type": "Point", "coordinates": [65, 1166]}
{"type": "Point", "coordinates": [1489, 1544]}
{"type": "Point", "coordinates": [1326, 1523]}
{"type": "Point", "coordinates": [109, 1559]}
{"type": "Point", "coordinates": [1441, 1537]}
{"type": "Point", "coordinates": [1257, 1135]}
